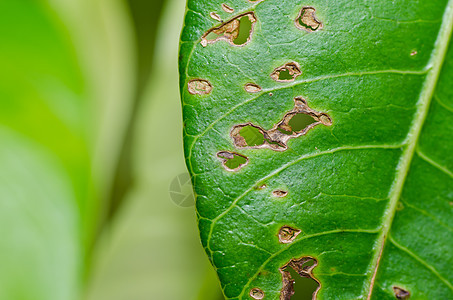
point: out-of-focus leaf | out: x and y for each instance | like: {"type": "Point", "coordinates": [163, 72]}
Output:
{"type": "Point", "coordinates": [40, 256]}
{"type": "Point", "coordinates": [151, 251]}
{"type": "Point", "coordinates": [60, 92]}
{"type": "Point", "coordinates": [145, 17]}
{"type": "Point", "coordinates": [105, 43]}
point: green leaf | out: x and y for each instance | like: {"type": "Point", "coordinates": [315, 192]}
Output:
{"type": "Point", "coordinates": [53, 106]}
{"type": "Point", "coordinates": [38, 223]}
{"type": "Point", "coordinates": [361, 200]}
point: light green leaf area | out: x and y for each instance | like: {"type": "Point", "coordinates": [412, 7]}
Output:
{"type": "Point", "coordinates": [44, 155]}
{"type": "Point", "coordinates": [40, 255]}
{"type": "Point", "coordinates": [45, 170]}
{"type": "Point", "coordinates": [366, 192]}
{"type": "Point", "coordinates": [41, 88]}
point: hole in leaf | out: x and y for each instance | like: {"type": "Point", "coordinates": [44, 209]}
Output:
{"type": "Point", "coordinates": [287, 234]}
{"type": "Point", "coordinates": [401, 293]}
{"type": "Point", "coordinates": [295, 123]}
{"type": "Point", "coordinates": [304, 287]}
{"type": "Point", "coordinates": [306, 20]}
{"type": "Point", "coordinates": [237, 31]}
{"type": "Point", "coordinates": [298, 280]}
{"type": "Point", "coordinates": [232, 161]}
{"type": "Point", "coordinates": [287, 72]}
{"type": "Point", "coordinates": [285, 75]}
{"type": "Point", "coordinates": [252, 136]}
{"type": "Point", "coordinates": [245, 28]}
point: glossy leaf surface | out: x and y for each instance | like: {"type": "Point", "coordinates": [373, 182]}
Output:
{"type": "Point", "coordinates": [369, 188]}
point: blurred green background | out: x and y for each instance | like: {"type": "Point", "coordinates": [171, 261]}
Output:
{"type": "Point", "coordinates": [90, 142]}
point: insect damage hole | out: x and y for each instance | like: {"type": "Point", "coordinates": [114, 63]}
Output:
{"type": "Point", "coordinates": [237, 31]}
{"type": "Point", "coordinates": [257, 293]}
{"type": "Point", "coordinates": [307, 20]}
{"type": "Point", "coordinates": [287, 234]}
{"type": "Point", "coordinates": [401, 293]}
{"type": "Point", "coordinates": [287, 72]}
{"type": "Point", "coordinates": [295, 123]}
{"type": "Point", "coordinates": [248, 135]}
{"type": "Point", "coordinates": [232, 161]}
{"type": "Point", "coordinates": [199, 87]}
{"type": "Point", "coordinates": [298, 279]}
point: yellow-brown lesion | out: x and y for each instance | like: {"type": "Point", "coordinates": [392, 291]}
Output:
{"type": "Point", "coordinates": [257, 293]}
{"type": "Point", "coordinates": [229, 31]}
{"type": "Point", "coordinates": [199, 87]}
{"type": "Point", "coordinates": [307, 20]}
{"type": "Point", "coordinates": [252, 88]}
{"type": "Point", "coordinates": [291, 69]}
{"type": "Point", "coordinates": [227, 8]}
{"type": "Point", "coordinates": [287, 234]}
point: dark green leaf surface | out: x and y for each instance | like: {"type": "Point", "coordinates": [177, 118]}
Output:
{"type": "Point", "coordinates": [372, 194]}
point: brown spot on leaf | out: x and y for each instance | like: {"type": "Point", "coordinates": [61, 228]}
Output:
{"type": "Point", "coordinates": [232, 161]}
{"type": "Point", "coordinates": [307, 20]}
{"type": "Point", "coordinates": [261, 187]}
{"type": "Point", "coordinates": [215, 16]}
{"type": "Point", "coordinates": [295, 123]}
{"type": "Point", "coordinates": [237, 31]}
{"type": "Point", "coordinates": [401, 293]}
{"type": "Point", "coordinates": [257, 293]}
{"type": "Point", "coordinates": [287, 72]}
{"type": "Point", "coordinates": [287, 234]}
{"type": "Point", "coordinates": [199, 87]}
{"type": "Point", "coordinates": [280, 193]}
{"type": "Point", "coordinates": [304, 267]}
{"type": "Point", "coordinates": [227, 8]}
{"type": "Point", "coordinates": [252, 88]}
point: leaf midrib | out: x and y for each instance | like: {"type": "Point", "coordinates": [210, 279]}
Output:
{"type": "Point", "coordinates": [435, 66]}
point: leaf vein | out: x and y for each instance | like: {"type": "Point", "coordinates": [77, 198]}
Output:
{"type": "Point", "coordinates": [421, 261]}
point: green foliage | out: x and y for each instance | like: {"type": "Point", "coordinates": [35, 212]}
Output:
{"type": "Point", "coordinates": [370, 194]}
{"type": "Point", "coordinates": [74, 78]}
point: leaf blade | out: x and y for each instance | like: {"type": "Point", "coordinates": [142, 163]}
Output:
{"type": "Point", "coordinates": [360, 122]}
